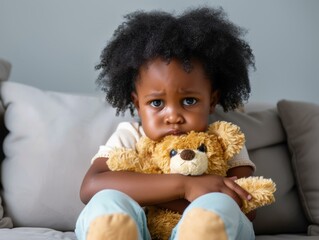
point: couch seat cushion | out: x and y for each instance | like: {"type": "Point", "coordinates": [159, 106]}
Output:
{"type": "Point", "coordinates": [23, 233]}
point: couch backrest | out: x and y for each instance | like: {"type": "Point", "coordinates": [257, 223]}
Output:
{"type": "Point", "coordinates": [52, 137]}
{"type": "Point", "coordinates": [3, 131]}
{"type": "Point", "coordinates": [267, 147]}
{"type": "Point", "coordinates": [5, 68]}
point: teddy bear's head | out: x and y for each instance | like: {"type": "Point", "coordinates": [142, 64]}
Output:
{"type": "Point", "coordinates": [196, 153]}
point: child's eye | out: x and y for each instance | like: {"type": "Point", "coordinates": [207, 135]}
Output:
{"type": "Point", "coordinates": [189, 101]}
{"type": "Point", "coordinates": [156, 103]}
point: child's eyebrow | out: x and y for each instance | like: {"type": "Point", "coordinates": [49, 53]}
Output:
{"type": "Point", "coordinates": [155, 95]}
{"type": "Point", "coordinates": [182, 92]}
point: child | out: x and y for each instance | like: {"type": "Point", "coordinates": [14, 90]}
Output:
{"type": "Point", "coordinates": [172, 71]}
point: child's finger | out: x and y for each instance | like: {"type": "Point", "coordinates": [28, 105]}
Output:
{"type": "Point", "coordinates": [242, 193]}
{"type": "Point", "coordinates": [234, 196]}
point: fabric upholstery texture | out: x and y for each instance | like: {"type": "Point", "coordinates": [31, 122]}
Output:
{"type": "Point", "coordinates": [5, 67]}
{"type": "Point", "coordinates": [300, 120]}
{"type": "Point", "coordinates": [25, 233]}
{"type": "Point", "coordinates": [269, 152]}
{"type": "Point", "coordinates": [52, 137]}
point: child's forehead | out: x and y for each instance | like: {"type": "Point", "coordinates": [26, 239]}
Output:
{"type": "Point", "coordinates": [160, 65]}
{"type": "Point", "coordinates": [171, 79]}
{"type": "Point", "coordinates": [161, 59]}
{"type": "Point", "coordinates": [173, 70]}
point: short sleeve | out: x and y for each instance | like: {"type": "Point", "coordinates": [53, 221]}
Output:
{"type": "Point", "coordinates": [125, 136]}
{"type": "Point", "coordinates": [241, 159]}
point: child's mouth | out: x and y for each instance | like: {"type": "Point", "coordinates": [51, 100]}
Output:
{"type": "Point", "coordinates": [175, 132]}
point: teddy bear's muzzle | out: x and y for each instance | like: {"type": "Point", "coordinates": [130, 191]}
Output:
{"type": "Point", "coordinates": [189, 162]}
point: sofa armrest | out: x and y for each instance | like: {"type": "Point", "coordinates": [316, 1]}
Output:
{"type": "Point", "coordinates": [5, 68]}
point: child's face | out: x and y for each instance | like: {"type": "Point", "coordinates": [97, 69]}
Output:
{"type": "Point", "coordinates": [172, 101]}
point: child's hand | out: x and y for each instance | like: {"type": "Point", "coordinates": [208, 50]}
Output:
{"type": "Point", "coordinates": [196, 186]}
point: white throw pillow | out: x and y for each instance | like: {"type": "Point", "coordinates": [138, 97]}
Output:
{"type": "Point", "coordinates": [52, 138]}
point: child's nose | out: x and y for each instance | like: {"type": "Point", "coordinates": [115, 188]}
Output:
{"type": "Point", "coordinates": [174, 116]}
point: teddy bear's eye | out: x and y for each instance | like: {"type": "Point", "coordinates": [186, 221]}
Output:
{"type": "Point", "coordinates": [202, 148]}
{"type": "Point", "coordinates": [172, 153]}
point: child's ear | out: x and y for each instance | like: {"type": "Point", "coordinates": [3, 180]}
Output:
{"type": "Point", "coordinates": [135, 101]}
{"type": "Point", "coordinates": [214, 100]}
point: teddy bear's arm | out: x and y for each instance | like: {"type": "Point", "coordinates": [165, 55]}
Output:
{"type": "Point", "coordinates": [261, 189]}
{"type": "Point", "coordinates": [122, 159]}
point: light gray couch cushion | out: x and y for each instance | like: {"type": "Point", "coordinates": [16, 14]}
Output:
{"type": "Point", "coordinates": [52, 138]}
{"type": "Point", "coordinates": [266, 144]}
{"type": "Point", "coordinates": [5, 222]}
{"type": "Point", "coordinates": [300, 120]}
{"type": "Point", "coordinates": [5, 67]}
{"type": "Point", "coordinates": [22, 233]}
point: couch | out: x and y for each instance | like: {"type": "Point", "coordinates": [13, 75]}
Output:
{"type": "Point", "coordinates": [48, 139]}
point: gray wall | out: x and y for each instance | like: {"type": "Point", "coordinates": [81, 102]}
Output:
{"type": "Point", "coordinates": [54, 45]}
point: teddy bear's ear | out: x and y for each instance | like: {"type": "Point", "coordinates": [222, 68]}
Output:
{"type": "Point", "coordinates": [229, 135]}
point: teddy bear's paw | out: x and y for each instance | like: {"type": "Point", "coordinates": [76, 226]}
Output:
{"type": "Point", "coordinates": [199, 223]}
{"type": "Point", "coordinates": [261, 189]}
{"type": "Point", "coordinates": [113, 227]}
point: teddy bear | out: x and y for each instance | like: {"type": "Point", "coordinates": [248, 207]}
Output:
{"type": "Point", "coordinates": [194, 153]}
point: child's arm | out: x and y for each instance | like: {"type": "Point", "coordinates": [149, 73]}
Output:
{"type": "Point", "coordinates": [239, 172]}
{"type": "Point", "coordinates": [152, 189]}
{"type": "Point", "coordinates": [146, 189]}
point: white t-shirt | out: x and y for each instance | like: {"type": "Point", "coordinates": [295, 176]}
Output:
{"type": "Point", "coordinates": [128, 133]}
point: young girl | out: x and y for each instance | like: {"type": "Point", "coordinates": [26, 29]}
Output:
{"type": "Point", "coordinates": [172, 71]}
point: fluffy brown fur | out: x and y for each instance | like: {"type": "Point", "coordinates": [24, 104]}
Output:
{"type": "Point", "coordinates": [211, 151]}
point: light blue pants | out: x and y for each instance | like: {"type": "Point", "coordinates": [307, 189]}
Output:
{"type": "Point", "coordinates": [111, 201]}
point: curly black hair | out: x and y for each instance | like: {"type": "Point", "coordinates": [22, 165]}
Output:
{"type": "Point", "coordinates": [202, 33]}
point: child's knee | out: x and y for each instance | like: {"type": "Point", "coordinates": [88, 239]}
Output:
{"type": "Point", "coordinates": [215, 200]}
{"type": "Point", "coordinates": [218, 203]}
{"type": "Point", "coordinates": [226, 217]}
{"type": "Point", "coordinates": [113, 226]}
{"type": "Point", "coordinates": [115, 200]}
{"type": "Point", "coordinates": [108, 203]}
{"type": "Point", "coordinates": [108, 194]}
{"type": "Point", "coordinates": [199, 223]}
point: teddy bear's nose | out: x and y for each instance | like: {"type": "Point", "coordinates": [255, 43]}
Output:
{"type": "Point", "coordinates": [187, 154]}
